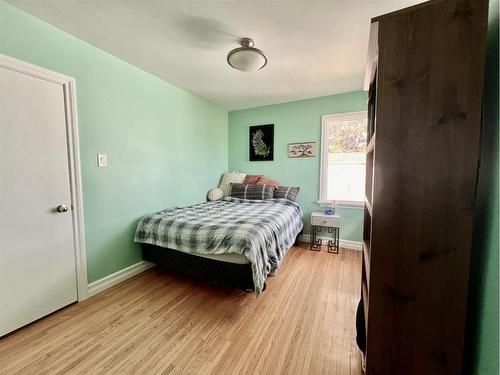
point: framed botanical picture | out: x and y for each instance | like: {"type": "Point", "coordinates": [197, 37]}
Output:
{"type": "Point", "coordinates": [261, 142]}
{"type": "Point", "coordinates": [302, 150]}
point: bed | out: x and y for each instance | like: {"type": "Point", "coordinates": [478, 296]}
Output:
{"type": "Point", "coordinates": [236, 242]}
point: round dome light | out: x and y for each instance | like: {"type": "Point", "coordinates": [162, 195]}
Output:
{"type": "Point", "coordinates": [247, 58]}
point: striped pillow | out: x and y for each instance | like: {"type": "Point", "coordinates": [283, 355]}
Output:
{"type": "Point", "coordinates": [286, 192]}
{"type": "Point", "coordinates": [243, 191]}
{"type": "Point", "coordinates": [251, 179]}
{"type": "Point", "coordinates": [267, 181]}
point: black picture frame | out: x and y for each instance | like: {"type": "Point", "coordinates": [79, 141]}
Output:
{"type": "Point", "coordinates": [261, 142]}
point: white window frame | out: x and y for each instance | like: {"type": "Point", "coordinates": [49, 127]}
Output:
{"type": "Point", "coordinates": [323, 179]}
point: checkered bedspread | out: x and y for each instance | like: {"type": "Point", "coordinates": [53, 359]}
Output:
{"type": "Point", "coordinates": [261, 230]}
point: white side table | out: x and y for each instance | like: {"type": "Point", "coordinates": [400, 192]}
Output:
{"type": "Point", "coordinates": [332, 223]}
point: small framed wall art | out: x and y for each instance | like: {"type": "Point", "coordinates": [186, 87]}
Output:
{"type": "Point", "coordinates": [261, 142]}
{"type": "Point", "coordinates": [302, 150]}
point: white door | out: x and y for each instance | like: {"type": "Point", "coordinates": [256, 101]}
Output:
{"type": "Point", "coordinates": [37, 257]}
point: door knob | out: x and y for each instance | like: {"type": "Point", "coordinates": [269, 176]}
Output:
{"type": "Point", "coordinates": [62, 208]}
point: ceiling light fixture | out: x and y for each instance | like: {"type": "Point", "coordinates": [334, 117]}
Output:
{"type": "Point", "coordinates": [247, 58]}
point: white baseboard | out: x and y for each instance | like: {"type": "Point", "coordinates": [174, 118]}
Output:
{"type": "Point", "coordinates": [346, 244]}
{"type": "Point", "coordinates": [118, 277]}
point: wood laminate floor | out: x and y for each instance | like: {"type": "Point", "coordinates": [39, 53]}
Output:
{"type": "Point", "coordinates": [160, 323]}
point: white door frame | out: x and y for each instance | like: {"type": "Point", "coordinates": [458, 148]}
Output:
{"type": "Point", "coordinates": [69, 89]}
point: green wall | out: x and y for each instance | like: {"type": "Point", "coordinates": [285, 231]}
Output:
{"type": "Point", "coordinates": [295, 122]}
{"type": "Point", "coordinates": [166, 146]}
{"type": "Point", "coordinates": [481, 352]}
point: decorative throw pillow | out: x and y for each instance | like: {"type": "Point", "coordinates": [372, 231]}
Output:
{"type": "Point", "coordinates": [267, 181]}
{"type": "Point", "coordinates": [228, 179]}
{"type": "Point", "coordinates": [251, 179]}
{"type": "Point", "coordinates": [243, 191]}
{"type": "Point", "coordinates": [215, 194]}
{"type": "Point", "coordinates": [286, 192]}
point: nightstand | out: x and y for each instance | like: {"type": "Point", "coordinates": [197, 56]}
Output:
{"type": "Point", "coordinates": [331, 223]}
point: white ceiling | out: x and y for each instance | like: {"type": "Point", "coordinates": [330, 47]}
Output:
{"type": "Point", "coordinates": [315, 48]}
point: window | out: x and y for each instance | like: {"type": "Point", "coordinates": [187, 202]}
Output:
{"type": "Point", "coordinates": [343, 158]}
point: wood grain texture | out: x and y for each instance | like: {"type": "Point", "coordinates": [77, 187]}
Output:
{"type": "Point", "coordinates": [161, 323]}
{"type": "Point", "coordinates": [430, 80]}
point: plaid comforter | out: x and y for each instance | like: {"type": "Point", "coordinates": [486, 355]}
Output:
{"type": "Point", "coordinates": [261, 230]}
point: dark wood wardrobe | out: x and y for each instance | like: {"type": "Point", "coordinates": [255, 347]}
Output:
{"type": "Point", "coordinates": [425, 82]}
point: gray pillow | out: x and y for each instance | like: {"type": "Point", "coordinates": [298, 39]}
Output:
{"type": "Point", "coordinates": [286, 192]}
{"type": "Point", "coordinates": [243, 191]}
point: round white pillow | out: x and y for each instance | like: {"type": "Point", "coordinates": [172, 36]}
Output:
{"type": "Point", "coordinates": [215, 194]}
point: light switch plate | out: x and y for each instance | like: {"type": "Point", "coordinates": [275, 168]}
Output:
{"type": "Point", "coordinates": [102, 160]}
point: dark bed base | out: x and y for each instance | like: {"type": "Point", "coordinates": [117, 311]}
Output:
{"type": "Point", "coordinates": [223, 273]}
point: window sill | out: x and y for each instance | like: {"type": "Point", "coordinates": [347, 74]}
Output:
{"type": "Point", "coordinates": [350, 204]}
{"type": "Point", "coordinates": [342, 204]}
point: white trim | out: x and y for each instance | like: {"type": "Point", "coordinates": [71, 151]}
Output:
{"type": "Point", "coordinates": [341, 204]}
{"type": "Point", "coordinates": [353, 245]}
{"type": "Point", "coordinates": [118, 277]}
{"type": "Point", "coordinates": [69, 89]}
{"type": "Point", "coordinates": [323, 170]}
{"type": "Point", "coordinates": [326, 203]}
{"type": "Point", "coordinates": [323, 164]}
{"type": "Point", "coordinates": [346, 244]}
{"type": "Point", "coordinates": [349, 204]}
